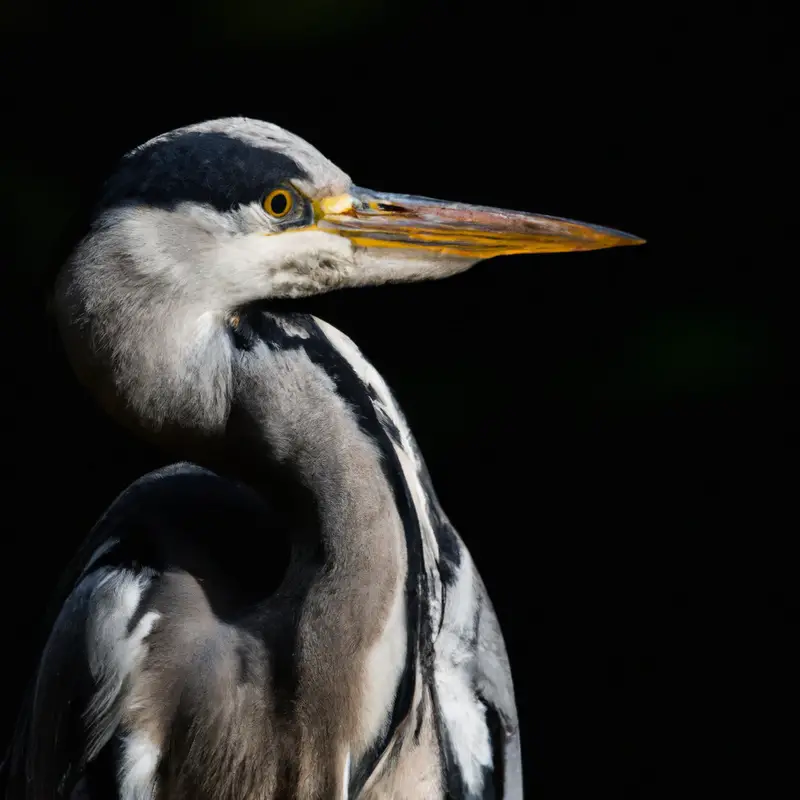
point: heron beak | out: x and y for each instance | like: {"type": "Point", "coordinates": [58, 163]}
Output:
{"type": "Point", "coordinates": [375, 219]}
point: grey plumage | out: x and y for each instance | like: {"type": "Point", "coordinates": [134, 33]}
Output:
{"type": "Point", "coordinates": [376, 668]}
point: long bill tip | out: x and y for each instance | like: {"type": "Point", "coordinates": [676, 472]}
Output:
{"type": "Point", "coordinates": [627, 239]}
{"type": "Point", "coordinates": [454, 229]}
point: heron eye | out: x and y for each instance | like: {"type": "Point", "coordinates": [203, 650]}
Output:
{"type": "Point", "coordinates": [278, 203]}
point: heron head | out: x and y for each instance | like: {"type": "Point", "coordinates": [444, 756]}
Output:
{"type": "Point", "coordinates": [199, 222]}
{"type": "Point", "coordinates": [234, 210]}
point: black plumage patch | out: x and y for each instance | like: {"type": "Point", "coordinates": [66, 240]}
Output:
{"type": "Point", "coordinates": [242, 332]}
{"type": "Point", "coordinates": [494, 777]}
{"type": "Point", "coordinates": [449, 547]}
{"type": "Point", "coordinates": [388, 423]}
{"type": "Point", "coordinates": [252, 324]}
{"type": "Point", "coordinates": [449, 553]}
{"type": "Point", "coordinates": [200, 167]}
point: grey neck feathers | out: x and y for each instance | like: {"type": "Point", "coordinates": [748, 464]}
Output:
{"type": "Point", "coordinates": [310, 427]}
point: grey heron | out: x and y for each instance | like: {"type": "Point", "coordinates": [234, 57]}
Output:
{"type": "Point", "coordinates": [377, 668]}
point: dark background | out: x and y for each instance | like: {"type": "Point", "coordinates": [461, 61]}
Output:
{"type": "Point", "coordinates": [611, 432]}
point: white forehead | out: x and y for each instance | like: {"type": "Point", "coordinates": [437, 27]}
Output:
{"type": "Point", "coordinates": [325, 176]}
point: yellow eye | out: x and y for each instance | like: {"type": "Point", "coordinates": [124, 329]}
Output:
{"type": "Point", "coordinates": [278, 203]}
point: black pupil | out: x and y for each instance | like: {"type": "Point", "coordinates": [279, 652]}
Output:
{"type": "Point", "coordinates": [279, 204]}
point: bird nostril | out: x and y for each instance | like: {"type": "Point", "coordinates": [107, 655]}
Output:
{"type": "Point", "coordinates": [392, 207]}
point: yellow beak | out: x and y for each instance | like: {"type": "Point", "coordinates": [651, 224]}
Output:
{"type": "Point", "coordinates": [374, 219]}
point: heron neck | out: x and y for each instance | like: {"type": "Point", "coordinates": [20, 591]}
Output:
{"type": "Point", "coordinates": [294, 410]}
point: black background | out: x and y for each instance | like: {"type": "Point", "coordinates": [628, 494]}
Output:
{"type": "Point", "coordinates": [611, 432]}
